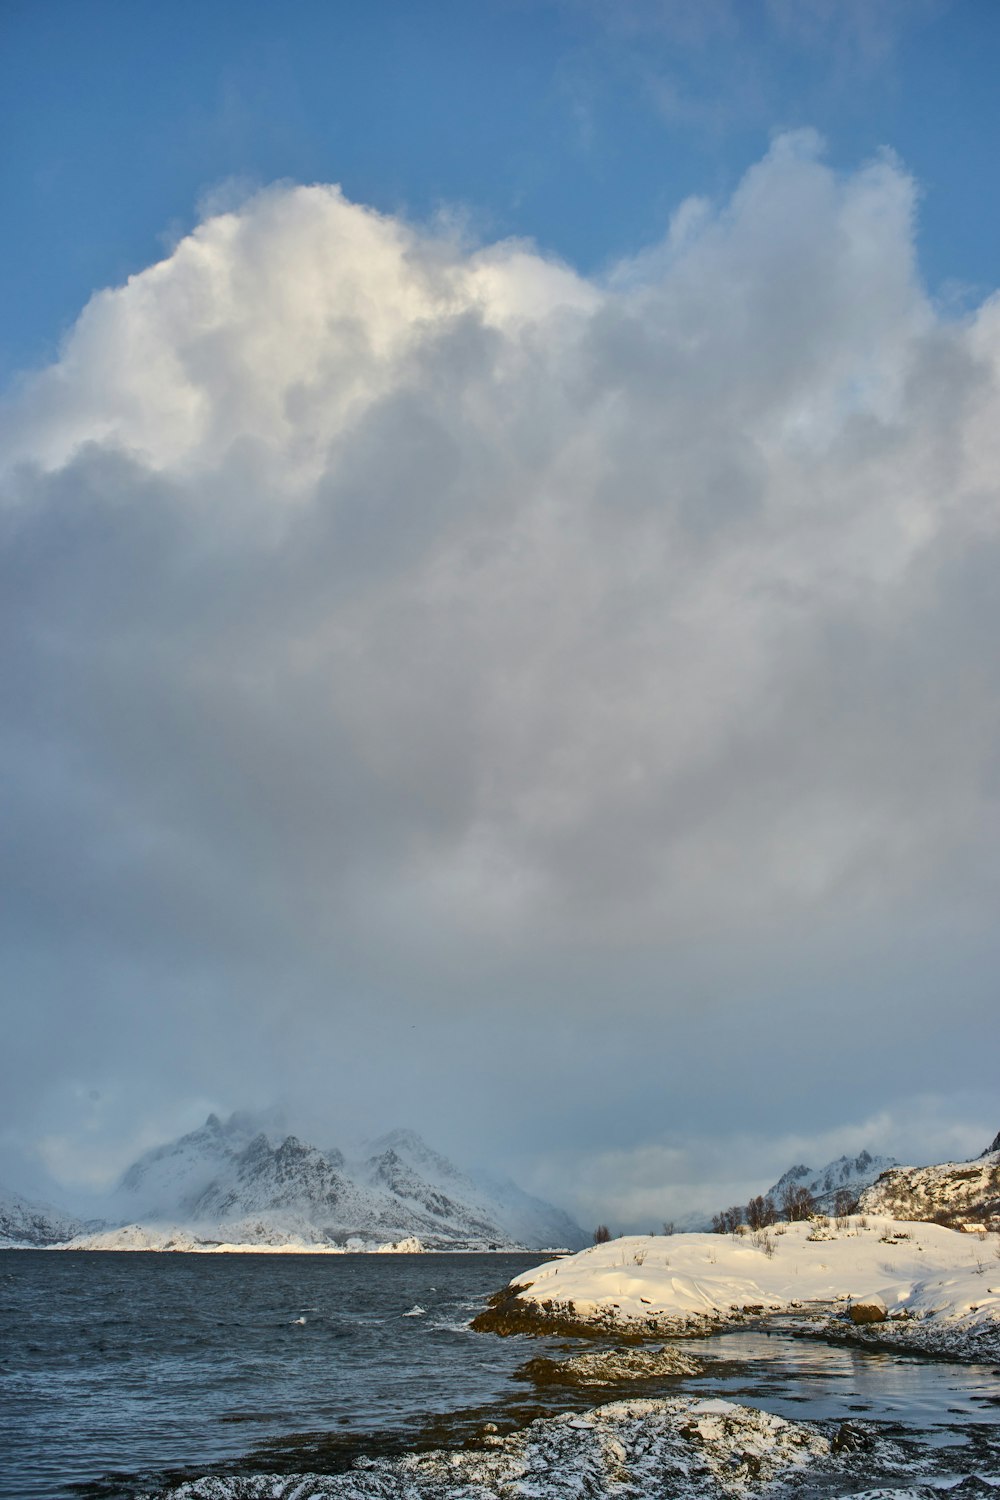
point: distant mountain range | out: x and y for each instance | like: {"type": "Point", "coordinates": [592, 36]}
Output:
{"type": "Point", "coordinates": [852, 1173]}
{"type": "Point", "coordinates": [231, 1183]}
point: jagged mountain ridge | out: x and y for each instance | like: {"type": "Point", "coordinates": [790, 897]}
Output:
{"type": "Point", "coordinates": [227, 1175]}
{"type": "Point", "coordinates": [953, 1193]}
{"type": "Point", "coordinates": [851, 1172]}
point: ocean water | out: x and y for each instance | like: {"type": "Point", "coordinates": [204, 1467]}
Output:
{"type": "Point", "coordinates": [135, 1363]}
{"type": "Point", "coordinates": [124, 1371]}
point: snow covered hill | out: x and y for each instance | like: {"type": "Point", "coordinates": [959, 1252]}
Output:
{"type": "Point", "coordinates": [957, 1193]}
{"type": "Point", "coordinates": [852, 1173]}
{"type": "Point", "coordinates": [232, 1183]}
{"type": "Point", "coordinates": [26, 1223]}
{"type": "Point", "coordinates": [931, 1288]}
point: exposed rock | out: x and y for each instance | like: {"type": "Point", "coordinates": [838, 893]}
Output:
{"type": "Point", "coordinates": [610, 1368]}
{"type": "Point", "coordinates": [868, 1310]}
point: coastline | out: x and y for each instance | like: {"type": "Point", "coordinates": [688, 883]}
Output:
{"type": "Point", "coordinates": [929, 1290]}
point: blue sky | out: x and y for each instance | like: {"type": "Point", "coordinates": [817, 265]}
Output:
{"type": "Point", "coordinates": [580, 125]}
{"type": "Point", "coordinates": [508, 649]}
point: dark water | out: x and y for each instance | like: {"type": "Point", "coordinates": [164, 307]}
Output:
{"type": "Point", "coordinates": [118, 1365]}
{"type": "Point", "coordinates": [145, 1361]}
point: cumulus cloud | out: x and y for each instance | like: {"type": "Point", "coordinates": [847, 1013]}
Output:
{"type": "Point", "coordinates": [409, 636]}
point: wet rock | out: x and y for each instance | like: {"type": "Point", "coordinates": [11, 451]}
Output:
{"type": "Point", "coordinates": [847, 1440]}
{"type": "Point", "coordinates": [610, 1368]}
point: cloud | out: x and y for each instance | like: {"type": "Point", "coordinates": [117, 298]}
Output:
{"type": "Point", "coordinates": [639, 1188]}
{"type": "Point", "coordinates": [414, 648]}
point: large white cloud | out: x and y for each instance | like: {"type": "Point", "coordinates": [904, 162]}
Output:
{"type": "Point", "coordinates": [388, 612]}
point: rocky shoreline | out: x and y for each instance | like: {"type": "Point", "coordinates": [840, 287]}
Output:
{"type": "Point", "coordinates": [676, 1448]}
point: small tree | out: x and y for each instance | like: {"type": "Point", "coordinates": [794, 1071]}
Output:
{"type": "Point", "coordinates": [668, 1227]}
{"type": "Point", "coordinates": [845, 1203]}
{"type": "Point", "coordinates": [728, 1221]}
{"type": "Point", "coordinates": [797, 1203]}
{"type": "Point", "coordinates": [761, 1212]}
{"type": "Point", "coordinates": [602, 1234]}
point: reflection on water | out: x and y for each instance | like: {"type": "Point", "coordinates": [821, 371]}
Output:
{"type": "Point", "coordinates": [803, 1377]}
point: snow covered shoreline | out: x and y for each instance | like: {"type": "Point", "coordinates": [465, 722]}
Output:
{"type": "Point", "coordinates": [940, 1288]}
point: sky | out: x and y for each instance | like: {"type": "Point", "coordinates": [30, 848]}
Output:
{"type": "Point", "coordinates": [499, 535]}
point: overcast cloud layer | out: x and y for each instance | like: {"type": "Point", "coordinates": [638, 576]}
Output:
{"type": "Point", "coordinates": [444, 690]}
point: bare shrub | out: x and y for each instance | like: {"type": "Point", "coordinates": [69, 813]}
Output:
{"type": "Point", "coordinates": [602, 1234]}
{"type": "Point", "coordinates": [668, 1227]}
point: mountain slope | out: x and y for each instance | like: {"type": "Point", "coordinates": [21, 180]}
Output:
{"type": "Point", "coordinates": [532, 1221]}
{"type": "Point", "coordinates": [528, 1220]}
{"type": "Point", "coordinates": [25, 1223]}
{"type": "Point", "coordinates": [952, 1193]}
{"type": "Point", "coordinates": [172, 1177]}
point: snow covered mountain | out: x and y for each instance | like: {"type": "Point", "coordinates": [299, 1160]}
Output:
{"type": "Point", "coordinates": [231, 1182]}
{"type": "Point", "coordinates": [955, 1193]}
{"type": "Point", "coordinates": [25, 1223]}
{"type": "Point", "coordinates": [851, 1172]}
